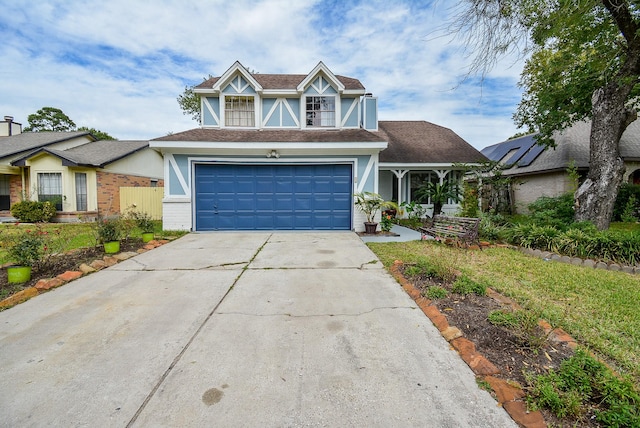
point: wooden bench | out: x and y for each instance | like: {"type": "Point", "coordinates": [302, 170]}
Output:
{"type": "Point", "coordinates": [464, 229]}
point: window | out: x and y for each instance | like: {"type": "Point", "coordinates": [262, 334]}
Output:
{"type": "Point", "coordinates": [417, 181]}
{"type": "Point", "coordinates": [239, 111]}
{"type": "Point", "coordinates": [5, 193]}
{"type": "Point", "coordinates": [50, 188]}
{"type": "Point", "coordinates": [321, 111]}
{"type": "Point", "coordinates": [81, 191]}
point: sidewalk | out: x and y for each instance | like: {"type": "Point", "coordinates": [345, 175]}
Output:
{"type": "Point", "coordinates": [405, 234]}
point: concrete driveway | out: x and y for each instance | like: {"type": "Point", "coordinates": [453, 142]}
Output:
{"type": "Point", "coordinates": [236, 329]}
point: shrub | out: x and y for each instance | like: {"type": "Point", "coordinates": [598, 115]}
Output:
{"type": "Point", "coordinates": [436, 292]}
{"type": "Point", "coordinates": [465, 285]}
{"type": "Point", "coordinates": [581, 384]}
{"type": "Point", "coordinates": [25, 247]}
{"type": "Point", "coordinates": [558, 211]}
{"type": "Point", "coordinates": [33, 211]}
{"type": "Point", "coordinates": [142, 220]}
{"type": "Point", "coordinates": [109, 229]}
{"type": "Point", "coordinates": [491, 227]}
{"type": "Point", "coordinates": [523, 324]}
{"type": "Point", "coordinates": [469, 203]}
{"type": "Point", "coordinates": [625, 193]}
{"type": "Point", "coordinates": [386, 222]}
{"type": "Point", "coordinates": [630, 212]}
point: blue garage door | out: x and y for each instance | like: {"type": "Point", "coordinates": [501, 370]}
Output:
{"type": "Point", "coordinates": [273, 197]}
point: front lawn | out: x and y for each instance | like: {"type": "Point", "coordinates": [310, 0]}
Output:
{"type": "Point", "coordinates": [600, 308]}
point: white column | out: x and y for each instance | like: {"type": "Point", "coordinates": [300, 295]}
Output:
{"type": "Point", "coordinates": [400, 173]}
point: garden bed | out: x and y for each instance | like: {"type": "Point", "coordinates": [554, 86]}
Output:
{"type": "Point", "coordinates": [57, 264]}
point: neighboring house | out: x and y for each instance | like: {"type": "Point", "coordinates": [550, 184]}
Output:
{"type": "Point", "coordinates": [540, 171]}
{"type": "Point", "coordinates": [80, 175]}
{"type": "Point", "coordinates": [283, 151]}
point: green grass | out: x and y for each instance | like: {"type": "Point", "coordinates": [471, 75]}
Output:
{"type": "Point", "coordinates": [624, 227]}
{"type": "Point", "coordinates": [601, 309]}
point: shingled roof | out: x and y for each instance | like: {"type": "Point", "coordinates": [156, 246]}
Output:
{"type": "Point", "coordinates": [572, 145]}
{"type": "Point", "coordinates": [27, 141]}
{"type": "Point", "coordinates": [424, 142]}
{"type": "Point", "coordinates": [273, 136]}
{"type": "Point", "coordinates": [94, 154]}
{"type": "Point", "coordinates": [285, 81]}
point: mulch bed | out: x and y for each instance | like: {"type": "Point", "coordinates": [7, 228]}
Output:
{"type": "Point", "coordinates": [69, 261]}
{"type": "Point", "coordinates": [512, 355]}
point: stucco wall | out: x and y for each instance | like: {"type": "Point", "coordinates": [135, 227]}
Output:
{"type": "Point", "coordinates": [527, 189]}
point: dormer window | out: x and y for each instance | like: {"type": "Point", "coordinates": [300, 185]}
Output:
{"type": "Point", "coordinates": [321, 111]}
{"type": "Point", "coordinates": [239, 110]}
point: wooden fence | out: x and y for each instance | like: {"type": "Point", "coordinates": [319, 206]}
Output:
{"type": "Point", "coordinates": [142, 199]}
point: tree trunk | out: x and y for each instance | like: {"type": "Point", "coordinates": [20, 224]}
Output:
{"type": "Point", "coordinates": [596, 196]}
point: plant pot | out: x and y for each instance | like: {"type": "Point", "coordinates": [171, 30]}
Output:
{"type": "Point", "coordinates": [18, 274]}
{"type": "Point", "coordinates": [370, 228]}
{"type": "Point", "coordinates": [112, 247]}
{"type": "Point", "coordinates": [147, 236]}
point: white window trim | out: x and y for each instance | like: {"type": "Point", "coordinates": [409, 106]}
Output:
{"type": "Point", "coordinates": [336, 106]}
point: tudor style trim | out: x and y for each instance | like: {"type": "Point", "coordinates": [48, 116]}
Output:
{"type": "Point", "coordinates": [228, 75]}
{"type": "Point", "coordinates": [320, 68]}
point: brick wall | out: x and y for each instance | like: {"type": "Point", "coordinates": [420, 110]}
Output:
{"type": "Point", "coordinates": [109, 189]}
{"type": "Point", "coordinates": [15, 193]}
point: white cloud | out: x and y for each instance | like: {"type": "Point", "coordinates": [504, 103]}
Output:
{"type": "Point", "coordinates": [118, 66]}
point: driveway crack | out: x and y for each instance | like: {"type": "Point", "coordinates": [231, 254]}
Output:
{"type": "Point", "coordinates": [285, 314]}
{"type": "Point", "coordinates": [178, 357]}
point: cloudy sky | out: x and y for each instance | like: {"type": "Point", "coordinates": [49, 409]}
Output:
{"type": "Point", "coordinates": [119, 65]}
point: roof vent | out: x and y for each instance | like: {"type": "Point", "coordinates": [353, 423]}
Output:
{"type": "Point", "coordinates": [368, 94]}
{"type": "Point", "coordinates": [8, 118]}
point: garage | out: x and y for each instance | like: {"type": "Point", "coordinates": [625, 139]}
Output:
{"type": "Point", "coordinates": [273, 197]}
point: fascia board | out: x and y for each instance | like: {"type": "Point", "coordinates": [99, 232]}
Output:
{"type": "Point", "coordinates": [415, 166]}
{"type": "Point", "coordinates": [184, 146]}
{"type": "Point", "coordinates": [205, 91]}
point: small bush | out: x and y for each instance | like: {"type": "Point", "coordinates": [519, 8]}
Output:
{"type": "Point", "coordinates": [503, 318]}
{"type": "Point", "coordinates": [489, 229]}
{"type": "Point", "coordinates": [465, 285]}
{"type": "Point", "coordinates": [33, 211]}
{"type": "Point", "coordinates": [523, 324]}
{"type": "Point", "coordinates": [625, 193]}
{"type": "Point", "coordinates": [630, 212]}
{"type": "Point", "coordinates": [582, 383]}
{"type": "Point", "coordinates": [557, 212]}
{"type": "Point", "coordinates": [436, 292]}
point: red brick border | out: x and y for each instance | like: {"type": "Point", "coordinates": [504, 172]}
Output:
{"type": "Point", "coordinates": [45, 285]}
{"type": "Point", "coordinates": [508, 394]}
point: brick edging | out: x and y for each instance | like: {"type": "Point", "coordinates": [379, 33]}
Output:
{"type": "Point", "coordinates": [508, 393]}
{"type": "Point", "coordinates": [44, 285]}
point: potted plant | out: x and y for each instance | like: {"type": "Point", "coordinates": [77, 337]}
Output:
{"type": "Point", "coordinates": [144, 222]}
{"type": "Point", "coordinates": [109, 234]}
{"type": "Point", "coordinates": [25, 249]}
{"type": "Point", "coordinates": [370, 203]}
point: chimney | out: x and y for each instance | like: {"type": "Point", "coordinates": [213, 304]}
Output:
{"type": "Point", "coordinates": [8, 127]}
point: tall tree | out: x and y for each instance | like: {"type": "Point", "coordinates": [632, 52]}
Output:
{"type": "Point", "coordinates": [49, 119]}
{"type": "Point", "coordinates": [583, 63]}
{"type": "Point", "coordinates": [54, 119]}
{"type": "Point", "coordinates": [100, 135]}
{"type": "Point", "coordinates": [189, 101]}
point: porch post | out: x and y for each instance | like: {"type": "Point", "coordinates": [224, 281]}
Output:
{"type": "Point", "coordinates": [399, 173]}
